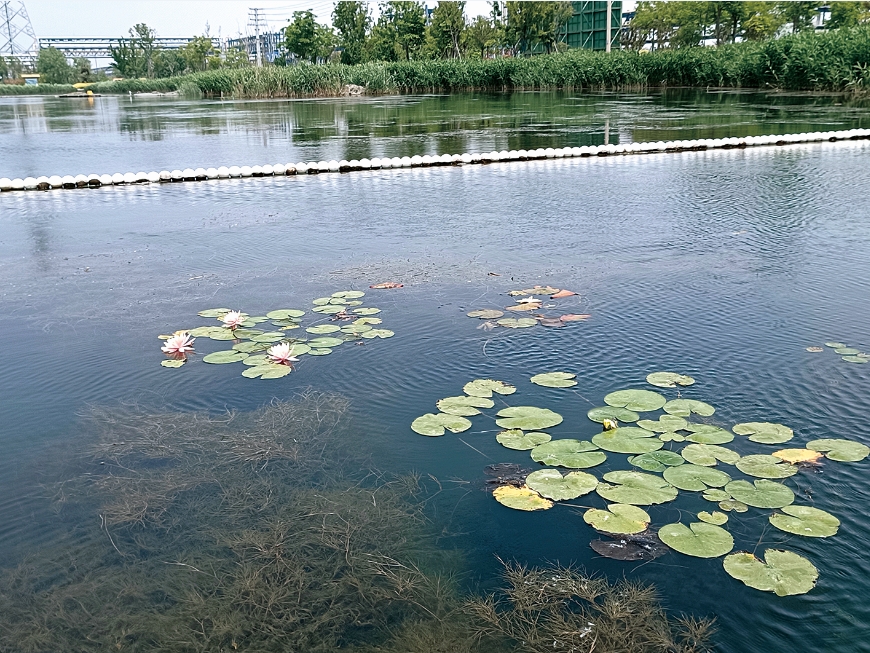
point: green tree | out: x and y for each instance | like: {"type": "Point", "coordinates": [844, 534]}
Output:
{"type": "Point", "coordinates": [382, 44]}
{"type": "Point", "coordinates": [144, 37]}
{"type": "Point", "coordinates": [236, 58]}
{"type": "Point", "coordinates": [481, 35]}
{"type": "Point", "coordinates": [168, 63]}
{"type": "Point", "coordinates": [760, 21]}
{"type": "Point", "coordinates": [799, 14]}
{"type": "Point", "coordinates": [848, 14]}
{"type": "Point", "coordinates": [82, 69]}
{"type": "Point", "coordinates": [300, 36]}
{"type": "Point", "coordinates": [51, 64]}
{"type": "Point", "coordinates": [447, 28]}
{"type": "Point", "coordinates": [533, 24]}
{"type": "Point", "coordinates": [409, 24]}
{"type": "Point", "coordinates": [198, 53]}
{"type": "Point", "coordinates": [353, 21]}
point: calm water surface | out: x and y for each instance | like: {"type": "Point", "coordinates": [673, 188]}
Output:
{"type": "Point", "coordinates": [723, 265]}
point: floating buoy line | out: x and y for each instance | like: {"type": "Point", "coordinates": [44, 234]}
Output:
{"type": "Point", "coordinates": [319, 167]}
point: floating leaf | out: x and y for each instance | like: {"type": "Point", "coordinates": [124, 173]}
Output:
{"type": "Point", "coordinates": [716, 518]}
{"type": "Point", "coordinates": [250, 347]}
{"type": "Point", "coordinates": [856, 359]}
{"type": "Point", "coordinates": [628, 439]}
{"type": "Point", "coordinates": [270, 371]}
{"type": "Point", "coordinates": [523, 307]}
{"type": "Point", "coordinates": [570, 453]}
{"type": "Point", "coordinates": [537, 290]}
{"type": "Point", "coordinates": [378, 333]}
{"type": "Point", "coordinates": [814, 350]}
{"type": "Point", "coordinates": [730, 504]}
{"type": "Point", "coordinates": [630, 548]}
{"type": "Point", "coordinates": [349, 294]}
{"type": "Point", "coordinates": [367, 311]}
{"type": "Point", "coordinates": [323, 328]}
{"type": "Point", "coordinates": [847, 351]}
{"type": "Point", "coordinates": [656, 461]}
{"type": "Point", "coordinates": [321, 301]}
{"type": "Point", "coordinates": [835, 345]}
{"type": "Point", "coordinates": [464, 406]}
{"type": "Point", "coordinates": [323, 342]}
{"type": "Point", "coordinates": [698, 539]}
{"type": "Point", "coordinates": [272, 336]}
{"type": "Point", "coordinates": [551, 484]}
{"type": "Point", "coordinates": [527, 418]}
{"type": "Point", "coordinates": [356, 329]}
{"type": "Point", "coordinates": [555, 379]}
{"type": "Point", "coordinates": [707, 455]}
{"type": "Point", "coordinates": [695, 478]}
{"type": "Point", "coordinates": [668, 379]}
{"type": "Point", "coordinates": [221, 357]}
{"type": "Point", "coordinates": [329, 309]}
{"type": "Point", "coordinates": [320, 352]}
{"type": "Point", "coordinates": [208, 331]}
{"type": "Point", "coordinates": [367, 320]}
{"type": "Point", "coordinates": [611, 412]}
{"type": "Point", "coordinates": [573, 317]}
{"type": "Point", "coordinates": [764, 432]}
{"type": "Point", "coordinates": [715, 494]}
{"type": "Point", "coordinates": [845, 451]}
{"type": "Point", "coordinates": [517, 323]}
{"type": "Point", "coordinates": [709, 434]}
{"type": "Point", "coordinates": [636, 488]}
{"type": "Point", "coordinates": [763, 494]}
{"type": "Point", "coordinates": [552, 322]}
{"type": "Point", "coordinates": [795, 456]}
{"type": "Point", "coordinates": [685, 407]}
{"type": "Point", "coordinates": [516, 439]}
{"type": "Point", "coordinates": [387, 285]}
{"type": "Point", "coordinates": [485, 388]}
{"type": "Point", "coordinates": [214, 312]}
{"type": "Point", "coordinates": [782, 572]}
{"type": "Point", "coordinates": [618, 519]}
{"type": "Point", "coordinates": [763, 466]}
{"type": "Point", "coordinates": [664, 424]}
{"type": "Point", "coordinates": [672, 437]}
{"type": "Point", "coordinates": [637, 400]}
{"type": "Point", "coordinates": [486, 314]}
{"type": "Point", "coordinates": [806, 521]}
{"type": "Point", "coordinates": [562, 293]}
{"type": "Point", "coordinates": [299, 348]}
{"type": "Point", "coordinates": [247, 333]}
{"type": "Point", "coordinates": [284, 314]}
{"type": "Point", "coordinates": [434, 424]}
{"type": "Point", "coordinates": [521, 498]}
{"type": "Point", "coordinates": [174, 362]}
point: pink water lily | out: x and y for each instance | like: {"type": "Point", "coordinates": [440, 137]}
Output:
{"type": "Point", "coordinates": [179, 343]}
{"type": "Point", "coordinates": [280, 354]}
{"type": "Point", "coordinates": [233, 319]}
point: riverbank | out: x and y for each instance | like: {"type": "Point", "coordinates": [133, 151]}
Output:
{"type": "Point", "coordinates": [834, 61]}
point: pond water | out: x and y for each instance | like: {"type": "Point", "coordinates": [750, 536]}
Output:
{"type": "Point", "coordinates": [723, 265]}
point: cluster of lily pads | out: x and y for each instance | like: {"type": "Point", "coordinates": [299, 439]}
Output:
{"type": "Point", "coordinates": [264, 344]}
{"type": "Point", "coordinates": [676, 452]}
{"type": "Point", "coordinates": [847, 353]}
{"type": "Point", "coordinates": [527, 301]}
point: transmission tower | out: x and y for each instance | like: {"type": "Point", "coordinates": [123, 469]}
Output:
{"type": "Point", "coordinates": [17, 38]}
{"type": "Point", "coordinates": [256, 19]}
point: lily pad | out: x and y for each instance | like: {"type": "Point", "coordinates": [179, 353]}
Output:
{"type": "Point", "coordinates": [636, 488]}
{"type": "Point", "coordinates": [367, 320]}
{"type": "Point", "coordinates": [463, 406]}
{"type": "Point", "coordinates": [378, 333]}
{"type": "Point", "coordinates": [434, 424]}
{"type": "Point", "coordinates": [269, 371]}
{"type": "Point", "coordinates": [214, 312]}
{"type": "Point", "coordinates": [329, 309]}
{"type": "Point", "coordinates": [764, 432]}
{"type": "Point", "coordinates": [612, 412]}
{"type": "Point", "coordinates": [356, 329]}
{"type": "Point", "coordinates": [672, 437]}
{"type": "Point", "coordinates": [846, 451]}
{"type": "Point", "coordinates": [485, 388]}
{"type": "Point", "coordinates": [527, 418]}
{"type": "Point", "coordinates": [695, 478]}
{"type": "Point", "coordinates": [698, 539]}
{"type": "Point", "coordinates": [763, 466]}
{"type": "Point", "coordinates": [285, 314]}
{"type": "Point", "coordinates": [835, 345]}
{"type": "Point", "coordinates": [517, 323]}
{"type": "Point", "coordinates": [806, 521]}
{"type": "Point", "coordinates": [685, 407]}
{"type": "Point", "coordinates": [715, 494]}
{"type": "Point", "coordinates": [221, 357]}
{"type": "Point", "coordinates": [618, 519]}
{"type": "Point", "coordinates": [707, 455]}
{"type": "Point", "coordinates": [173, 362]}
{"type": "Point", "coordinates": [209, 331]}
{"type": "Point", "coordinates": [299, 348]}
{"type": "Point", "coordinates": [628, 439]}
{"type": "Point", "coordinates": [520, 441]}
{"type": "Point", "coordinates": [272, 336]}
{"type": "Point", "coordinates": [321, 301]}
{"type": "Point", "coordinates": [573, 454]}
{"type": "Point", "coordinates": [762, 494]}
{"type": "Point", "coordinates": [636, 400]}
{"type": "Point", "coordinates": [323, 342]}
{"type": "Point", "coordinates": [709, 434]}
{"type": "Point", "coordinates": [321, 329]}
{"type": "Point", "coordinates": [716, 518]}
{"type": "Point", "coordinates": [367, 311]}
{"type": "Point", "coordinates": [257, 360]}
{"type": "Point", "coordinates": [550, 483]}
{"type": "Point", "coordinates": [486, 314]}
{"type": "Point", "coordinates": [664, 424]}
{"type": "Point", "coordinates": [656, 461]}
{"type": "Point", "coordinates": [524, 307]}
{"type": "Point", "coordinates": [847, 351]}
{"type": "Point", "coordinates": [321, 351]}
{"type": "Point", "coordinates": [795, 456]}
{"type": "Point", "coordinates": [731, 504]}
{"type": "Point", "coordinates": [856, 359]}
{"type": "Point", "coordinates": [521, 498]}
{"type": "Point", "coordinates": [349, 294]}
{"type": "Point", "coordinates": [555, 380]}
{"type": "Point", "coordinates": [251, 347]}
{"type": "Point", "coordinates": [220, 333]}
{"type": "Point", "coordinates": [668, 379]}
{"type": "Point", "coordinates": [537, 290]}
{"type": "Point", "coordinates": [782, 572]}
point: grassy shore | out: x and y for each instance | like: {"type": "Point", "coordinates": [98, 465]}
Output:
{"type": "Point", "coordinates": [833, 61]}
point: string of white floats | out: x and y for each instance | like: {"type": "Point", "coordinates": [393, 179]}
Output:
{"type": "Point", "coordinates": [316, 167]}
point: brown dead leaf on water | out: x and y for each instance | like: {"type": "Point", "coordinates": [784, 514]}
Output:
{"type": "Point", "coordinates": [575, 317]}
{"type": "Point", "coordinates": [523, 307]}
{"type": "Point", "coordinates": [386, 285]}
{"type": "Point", "coordinates": [562, 293]}
{"type": "Point", "coordinates": [815, 350]}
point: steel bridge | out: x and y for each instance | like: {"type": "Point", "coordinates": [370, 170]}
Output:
{"type": "Point", "coordinates": [98, 47]}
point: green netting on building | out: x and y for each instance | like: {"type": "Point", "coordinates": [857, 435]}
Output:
{"type": "Point", "coordinates": [587, 28]}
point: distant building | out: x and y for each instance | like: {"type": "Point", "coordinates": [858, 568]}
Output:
{"type": "Point", "coordinates": [270, 45]}
{"type": "Point", "coordinates": [587, 27]}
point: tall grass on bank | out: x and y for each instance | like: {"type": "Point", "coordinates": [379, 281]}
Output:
{"type": "Point", "coordinates": [832, 61]}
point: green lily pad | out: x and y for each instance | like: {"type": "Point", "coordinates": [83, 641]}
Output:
{"type": "Point", "coordinates": [636, 488]}
{"type": "Point", "coordinates": [434, 425]}
{"type": "Point", "coordinates": [835, 345]}
{"type": "Point", "coordinates": [846, 451]}
{"type": "Point", "coordinates": [709, 434]}
{"type": "Point", "coordinates": [570, 453]}
{"type": "Point", "coordinates": [257, 360]}
{"type": "Point", "coordinates": [672, 437]}
{"type": "Point", "coordinates": [367, 311]}
{"type": "Point", "coordinates": [764, 432]}
{"type": "Point", "coordinates": [271, 336]}
{"type": "Point", "coordinates": [856, 359]}
{"type": "Point", "coordinates": [715, 494]}
{"type": "Point", "coordinates": [325, 342]}
{"type": "Point", "coordinates": [485, 388]}
{"type": "Point", "coordinates": [763, 494]}
{"type": "Point", "coordinates": [464, 406]}
{"type": "Point", "coordinates": [664, 424]}
{"type": "Point", "coordinates": [299, 348]}
{"type": "Point", "coordinates": [284, 314]}
{"type": "Point", "coordinates": [353, 302]}
{"type": "Point", "coordinates": [214, 312]}
{"type": "Point", "coordinates": [847, 351]}
{"type": "Point", "coordinates": [555, 380]}
{"type": "Point", "coordinates": [256, 320]}
{"type": "Point", "coordinates": [636, 400]}
{"type": "Point", "coordinates": [173, 362]}
{"type": "Point", "coordinates": [695, 478]}
{"type": "Point", "coordinates": [656, 461]}
{"type": "Point", "coordinates": [612, 412]}
{"type": "Point", "coordinates": [247, 333]}
{"type": "Point", "coordinates": [716, 518]}
{"type": "Point", "coordinates": [551, 484]}
{"type": "Point", "coordinates": [321, 329]}
{"type": "Point", "coordinates": [731, 504]}
{"type": "Point", "coordinates": [517, 323]}
{"type": "Point", "coordinates": [329, 309]}
{"type": "Point", "coordinates": [221, 357]}
{"type": "Point", "coordinates": [520, 441]}
{"type": "Point", "coordinates": [321, 301]}
{"type": "Point", "coordinates": [250, 347]}
{"type": "Point", "coordinates": [222, 333]}
{"type": "Point", "coordinates": [527, 418]}
{"type": "Point", "coordinates": [378, 333]}
{"type": "Point", "coordinates": [806, 521]}
{"type": "Point", "coordinates": [367, 320]}
{"type": "Point", "coordinates": [685, 407]}
{"type": "Point", "coordinates": [521, 498]}
{"type": "Point", "coordinates": [618, 519]}
{"type": "Point", "coordinates": [486, 314]}
{"type": "Point", "coordinates": [763, 466]}
{"type": "Point", "coordinates": [284, 326]}
{"type": "Point", "coordinates": [349, 294]}
{"type": "Point", "coordinates": [707, 455]}
{"type": "Point", "coordinates": [698, 539]}
{"type": "Point", "coordinates": [270, 371]}
{"type": "Point", "coordinates": [668, 379]}
{"type": "Point", "coordinates": [356, 329]}
{"type": "Point", "coordinates": [322, 351]}
{"type": "Point", "coordinates": [782, 572]}
{"type": "Point", "coordinates": [207, 331]}
{"type": "Point", "coordinates": [628, 439]}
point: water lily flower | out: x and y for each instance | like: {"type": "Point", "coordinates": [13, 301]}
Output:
{"type": "Point", "coordinates": [280, 354]}
{"type": "Point", "coordinates": [180, 343]}
{"type": "Point", "coordinates": [233, 319]}
{"type": "Point", "coordinates": [528, 300]}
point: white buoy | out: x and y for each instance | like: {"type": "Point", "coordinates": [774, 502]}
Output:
{"type": "Point", "coordinates": [117, 178]}
{"type": "Point", "coordinates": [256, 171]}
{"type": "Point", "coordinates": [365, 164]}
{"type": "Point", "coordinates": [5, 184]}
{"type": "Point", "coordinates": [386, 163]}
{"type": "Point", "coordinates": [81, 181]}
{"type": "Point", "coordinates": [17, 184]}
{"type": "Point", "coordinates": [129, 178]}
{"type": "Point", "coordinates": [176, 175]}
{"type": "Point", "coordinates": [406, 162]}
{"type": "Point", "coordinates": [268, 170]}
{"type": "Point", "coordinates": [245, 171]}
{"type": "Point", "coordinates": [165, 176]}
{"type": "Point", "coordinates": [56, 181]}
{"type": "Point", "coordinates": [106, 180]}
{"type": "Point", "coordinates": [353, 164]}
{"type": "Point", "coordinates": [279, 169]}
{"type": "Point", "coordinates": [94, 180]}
{"type": "Point", "coordinates": [153, 177]}
{"type": "Point", "coordinates": [301, 168]}
{"type": "Point", "coordinates": [211, 173]}
{"type": "Point", "coordinates": [476, 158]}
{"type": "Point", "coordinates": [465, 158]}
{"type": "Point", "coordinates": [199, 173]}
{"type": "Point", "coordinates": [416, 160]}
{"type": "Point", "coordinates": [375, 163]}
{"type": "Point", "coordinates": [223, 172]}
{"type": "Point", "coordinates": [142, 178]}
{"type": "Point", "coordinates": [30, 183]}
{"type": "Point", "coordinates": [68, 181]}
{"type": "Point", "coordinates": [42, 183]}
{"type": "Point", "coordinates": [323, 166]}
{"type": "Point", "coordinates": [188, 174]}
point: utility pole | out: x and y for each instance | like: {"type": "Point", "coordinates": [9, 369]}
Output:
{"type": "Point", "coordinates": [254, 15]}
{"type": "Point", "coordinates": [17, 37]}
{"type": "Point", "coordinates": [609, 18]}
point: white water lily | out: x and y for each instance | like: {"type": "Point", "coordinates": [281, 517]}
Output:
{"type": "Point", "coordinates": [280, 354]}
{"type": "Point", "coordinates": [233, 319]}
{"type": "Point", "coordinates": [528, 300]}
{"type": "Point", "coordinates": [178, 343]}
